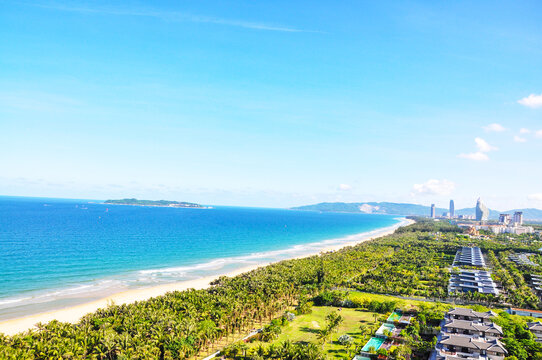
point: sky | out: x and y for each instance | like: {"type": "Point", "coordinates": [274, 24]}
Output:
{"type": "Point", "coordinates": [273, 103]}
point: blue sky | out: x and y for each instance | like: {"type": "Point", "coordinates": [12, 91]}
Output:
{"type": "Point", "coordinates": [273, 103]}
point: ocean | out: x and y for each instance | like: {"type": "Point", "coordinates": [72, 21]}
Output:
{"type": "Point", "coordinates": [57, 252]}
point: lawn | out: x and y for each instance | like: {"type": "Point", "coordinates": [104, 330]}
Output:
{"type": "Point", "coordinates": [305, 328]}
{"type": "Point", "coordinates": [361, 296]}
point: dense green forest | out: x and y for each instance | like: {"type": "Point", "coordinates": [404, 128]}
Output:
{"type": "Point", "coordinates": [413, 261]}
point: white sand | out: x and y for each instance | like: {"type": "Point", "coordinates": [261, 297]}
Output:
{"type": "Point", "coordinates": [74, 313]}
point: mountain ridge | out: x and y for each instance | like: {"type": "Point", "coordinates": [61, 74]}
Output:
{"type": "Point", "coordinates": [391, 208]}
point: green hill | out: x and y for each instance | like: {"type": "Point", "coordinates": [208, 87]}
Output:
{"type": "Point", "coordinates": [407, 209]}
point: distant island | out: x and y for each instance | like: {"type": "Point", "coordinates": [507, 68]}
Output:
{"type": "Point", "coordinates": [161, 203]}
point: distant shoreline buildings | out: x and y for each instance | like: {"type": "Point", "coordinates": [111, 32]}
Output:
{"type": "Point", "coordinates": [507, 223]}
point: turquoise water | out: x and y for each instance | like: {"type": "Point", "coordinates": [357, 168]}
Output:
{"type": "Point", "coordinates": [383, 327]}
{"type": "Point", "coordinates": [395, 316]}
{"type": "Point", "coordinates": [57, 252]}
{"type": "Point", "coordinates": [373, 342]}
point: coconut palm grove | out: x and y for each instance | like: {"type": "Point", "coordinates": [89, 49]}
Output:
{"type": "Point", "coordinates": [326, 306]}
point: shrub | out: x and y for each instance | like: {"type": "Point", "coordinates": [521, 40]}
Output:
{"type": "Point", "coordinates": [345, 339]}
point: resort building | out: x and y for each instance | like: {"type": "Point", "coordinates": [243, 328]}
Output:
{"type": "Point", "coordinates": [506, 229]}
{"type": "Point", "coordinates": [471, 256]}
{"type": "Point", "coordinates": [522, 259]}
{"type": "Point", "coordinates": [536, 329]}
{"type": "Point", "coordinates": [519, 230]}
{"type": "Point", "coordinates": [466, 327]}
{"type": "Point", "coordinates": [472, 280]}
{"type": "Point", "coordinates": [463, 280]}
{"type": "Point", "coordinates": [535, 283]}
{"type": "Point", "coordinates": [525, 312]}
{"type": "Point", "coordinates": [469, 334]}
{"type": "Point", "coordinates": [461, 347]}
{"type": "Point", "coordinates": [470, 315]}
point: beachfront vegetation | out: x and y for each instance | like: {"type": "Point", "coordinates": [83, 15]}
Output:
{"type": "Point", "coordinates": [413, 262]}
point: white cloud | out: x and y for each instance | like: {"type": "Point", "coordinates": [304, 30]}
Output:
{"type": "Point", "coordinates": [480, 155]}
{"type": "Point", "coordinates": [483, 146]}
{"type": "Point", "coordinates": [537, 197]}
{"type": "Point", "coordinates": [494, 128]}
{"type": "Point", "coordinates": [532, 101]}
{"type": "Point", "coordinates": [519, 139]}
{"type": "Point", "coordinates": [345, 187]}
{"type": "Point", "coordinates": [524, 131]}
{"type": "Point", "coordinates": [477, 156]}
{"type": "Point", "coordinates": [434, 187]}
{"type": "Point", "coordinates": [538, 134]}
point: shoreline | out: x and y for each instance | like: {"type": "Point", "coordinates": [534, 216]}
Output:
{"type": "Point", "coordinates": [73, 314]}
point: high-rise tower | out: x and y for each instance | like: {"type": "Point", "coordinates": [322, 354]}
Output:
{"type": "Point", "coordinates": [518, 218]}
{"type": "Point", "coordinates": [433, 211]}
{"type": "Point", "coordinates": [452, 209]}
{"type": "Point", "coordinates": [482, 212]}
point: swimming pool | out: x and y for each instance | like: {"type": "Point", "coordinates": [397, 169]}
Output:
{"type": "Point", "coordinates": [395, 316]}
{"type": "Point", "coordinates": [384, 327]}
{"type": "Point", "coordinates": [374, 343]}
{"type": "Point", "coordinates": [359, 357]}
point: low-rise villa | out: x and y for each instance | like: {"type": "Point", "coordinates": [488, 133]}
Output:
{"type": "Point", "coordinates": [387, 335]}
{"type": "Point", "coordinates": [536, 328]}
{"type": "Point", "coordinates": [469, 334]}
{"type": "Point", "coordinates": [471, 315]}
{"type": "Point", "coordinates": [399, 317]}
{"type": "Point", "coordinates": [466, 327]}
{"type": "Point", "coordinates": [472, 347]}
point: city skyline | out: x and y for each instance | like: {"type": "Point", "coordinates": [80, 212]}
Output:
{"type": "Point", "coordinates": [248, 105]}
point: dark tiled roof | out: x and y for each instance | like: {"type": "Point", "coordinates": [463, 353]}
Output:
{"type": "Point", "coordinates": [537, 326]}
{"type": "Point", "coordinates": [473, 326]}
{"type": "Point", "coordinates": [472, 313]}
{"type": "Point", "coordinates": [476, 344]}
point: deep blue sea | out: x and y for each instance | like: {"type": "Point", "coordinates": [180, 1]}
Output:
{"type": "Point", "coordinates": [57, 252]}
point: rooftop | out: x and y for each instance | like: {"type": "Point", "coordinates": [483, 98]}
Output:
{"type": "Point", "coordinates": [474, 326]}
{"type": "Point", "coordinates": [471, 313]}
{"type": "Point", "coordinates": [474, 343]}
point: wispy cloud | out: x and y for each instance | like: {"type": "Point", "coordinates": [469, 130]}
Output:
{"type": "Point", "coordinates": [524, 131]}
{"type": "Point", "coordinates": [480, 155]}
{"type": "Point", "coordinates": [434, 187]}
{"type": "Point", "coordinates": [483, 145]}
{"type": "Point", "coordinates": [345, 187]}
{"type": "Point", "coordinates": [175, 16]}
{"type": "Point", "coordinates": [476, 156]}
{"type": "Point", "coordinates": [519, 139]}
{"type": "Point", "coordinates": [532, 101]}
{"type": "Point", "coordinates": [538, 134]}
{"type": "Point", "coordinates": [494, 128]}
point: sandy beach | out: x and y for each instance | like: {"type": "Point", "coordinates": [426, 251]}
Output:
{"type": "Point", "coordinates": [74, 313]}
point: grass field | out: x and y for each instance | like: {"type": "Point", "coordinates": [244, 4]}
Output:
{"type": "Point", "coordinates": [354, 295]}
{"type": "Point", "coordinates": [305, 328]}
